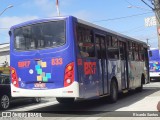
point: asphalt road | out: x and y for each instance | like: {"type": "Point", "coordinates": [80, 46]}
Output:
{"type": "Point", "coordinates": [144, 102]}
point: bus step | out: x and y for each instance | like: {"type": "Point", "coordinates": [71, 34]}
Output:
{"type": "Point", "coordinates": [125, 91]}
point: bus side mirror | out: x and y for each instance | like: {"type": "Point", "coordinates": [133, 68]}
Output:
{"type": "Point", "coordinates": [10, 33]}
{"type": "Point", "coordinates": [150, 53]}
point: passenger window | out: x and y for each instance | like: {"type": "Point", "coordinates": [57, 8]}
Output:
{"type": "Point", "coordinates": [130, 55]}
{"type": "Point", "coordinates": [122, 54]}
{"type": "Point", "coordinates": [113, 53]}
{"type": "Point", "coordinates": [141, 53]}
{"type": "Point", "coordinates": [136, 56]}
{"type": "Point", "coordinates": [131, 49]}
{"type": "Point", "coordinates": [108, 41]}
{"type": "Point", "coordinates": [114, 42]}
{"type": "Point", "coordinates": [86, 42]}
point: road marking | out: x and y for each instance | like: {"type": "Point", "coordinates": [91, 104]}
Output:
{"type": "Point", "coordinates": [36, 106]}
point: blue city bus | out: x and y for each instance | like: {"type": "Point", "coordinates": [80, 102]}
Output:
{"type": "Point", "coordinates": [68, 58]}
{"type": "Point", "coordinates": [154, 64]}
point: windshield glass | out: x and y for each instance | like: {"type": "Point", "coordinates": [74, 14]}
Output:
{"type": "Point", "coordinates": [154, 55]}
{"type": "Point", "coordinates": [41, 35]}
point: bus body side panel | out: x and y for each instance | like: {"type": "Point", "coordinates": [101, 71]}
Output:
{"type": "Point", "coordinates": [154, 63]}
{"type": "Point", "coordinates": [51, 63]}
{"type": "Point", "coordinates": [154, 68]}
{"type": "Point", "coordinates": [88, 77]}
{"type": "Point", "coordinates": [114, 72]}
{"type": "Point", "coordinates": [139, 70]}
{"type": "Point", "coordinates": [136, 69]}
{"type": "Point", "coordinates": [123, 74]}
{"type": "Point", "coordinates": [131, 71]}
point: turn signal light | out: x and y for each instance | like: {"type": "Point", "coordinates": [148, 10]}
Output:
{"type": "Point", "coordinates": [69, 74]}
{"type": "Point", "coordinates": [14, 77]}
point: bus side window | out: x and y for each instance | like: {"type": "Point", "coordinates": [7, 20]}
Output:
{"type": "Point", "coordinates": [136, 52]}
{"type": "Point", "coordinates": [130, 52]}
{"type": "Point", "coordinates": [122, 53]}
{"type": "Point", "coordinates": [141, 53]}
{"type": "Point", "coordinates": [141, 56]}
{"type": "Point", "coordinates": [130, 55]}
{"type": "Point", "coordinates": [85, 42]}
{"type": "Point", "coordinates": [122, 50]}
{"type": "Point", "coordinates": [113, 53]}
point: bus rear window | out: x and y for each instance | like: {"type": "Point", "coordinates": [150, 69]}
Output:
{"type": "Point", "coordinates": [39, 36]}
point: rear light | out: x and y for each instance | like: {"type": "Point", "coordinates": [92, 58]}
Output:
{"type": "Point", "coordinates": [69, 74]}
{"type": "Point", "coordinates": [14, 77]}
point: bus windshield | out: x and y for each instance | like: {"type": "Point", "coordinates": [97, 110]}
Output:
{"type": "Point", "coordinates": [40, 35]}
{"type": "Point", "coordinates": [154, 55]}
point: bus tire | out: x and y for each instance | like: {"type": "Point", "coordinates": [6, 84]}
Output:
{"type": "Point", "coordinates": [113, 92]}
{"type": "Point", "coordinates": [65, 100]}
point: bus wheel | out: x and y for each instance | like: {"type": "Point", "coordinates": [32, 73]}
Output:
{"type": "Point", "coordinates": [65, 100]}
{"type": "Point", "coordinates": [113, 92]}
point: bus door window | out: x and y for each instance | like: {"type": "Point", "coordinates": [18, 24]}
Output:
{"type": "Point", "coordinates": [97, 41]}
{"type": "Point", "coordinates": [104, 65]}
{"type": "Point", "coordinates": [124, 81]}
{"type": "Point", "coordinates": [101, 55]}
{"type": "Point", "coordinates": [103, 47]}
{"type": "Point", "coordinates": [130, 64]}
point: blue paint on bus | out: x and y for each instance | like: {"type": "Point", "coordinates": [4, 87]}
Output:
{"type": "Point", "coordinates": [48, 58]}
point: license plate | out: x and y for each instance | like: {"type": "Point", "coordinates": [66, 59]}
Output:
{"type": "Point", "coordinates": [40, 85]}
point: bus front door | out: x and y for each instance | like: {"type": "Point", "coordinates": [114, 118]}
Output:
{"type": "Point", "coordinates": [101, 55]}
{"type": "Point", "coordinates": [124, 82]}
